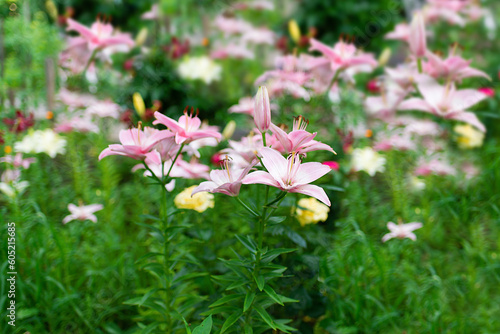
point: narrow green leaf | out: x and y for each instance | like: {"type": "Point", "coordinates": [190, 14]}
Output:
{"type": "Point", "coordinates": [230, 321]}
{"type": "Point", "coordinates": [274, 296]}
{"type": "Point", "coordinates": [274, 253]}
{"type": "Point", "coordinates": [248, 329]}
{"type": "Point", "coordinates": [226, 299]}
{"type": "Point", "coordinates": [248, 245]}
{"type": "Point", "coordinates": [205, 327]}
{"type": "Point", "coordinates": [186, 325]}
{"type": "Point", "coordinates": [260, 281]}
{"type": "Point", "coordinates": [150, 328]}
{"type": "Point", "coordinates": [265, 316]}
{"type": "Point", "coordinates": [248, 300]}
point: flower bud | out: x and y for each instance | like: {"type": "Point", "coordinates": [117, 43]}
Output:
{"type": "Point", "coordinates": [139, 105]}
{"type": "Point", "coordinates": [262, 110]}
{"type": "Point", "coordinates": [294, 30]}
{"type": "Point", "coordinates": [418, 38]}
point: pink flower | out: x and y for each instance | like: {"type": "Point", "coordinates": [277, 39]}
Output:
{"type": "Point", "coordinates": [231, 26]}
{"type": "Point", "coordinates": [17, 161]}
{"type": "Point", "coordinates": [298, 140]}
{"type": "Point", "coordinates": [262, 110]}
{"type": "Point", "coordinates": [290, 174]}
{"type": "Point", "coordinates": [244, 151]}
{"type": "Point", "coordinates": [153, 14]}
{"type": "Point", "coordinates": [181, 168]}
{"type": "Point", "coordinates": [417, 38]}
{"type": "Point", "coordinates": [226, 181]}
{"type": "Point", "coordinates": [332, 164]}
{"type": "Point", "coordinates": [82, 212]}
{"type": "Point", "coordinates": [399, 140]}
{"type": "Point", "coordinates": [100, 35]}
{"type": "Point", "coordinates": [104, 109]}
{"type": "Point", "coordinates": [342, 55]}
{"type": "Point", "coordinates": [245, 106]}
{"type": "Point", "coordinates": [258, 36]}
{"type": "Point", "coordinates": [488, 91]}
{"type": "Point", "coordinates": [78, 123]}
{"type": "Point", "coordinates": [232, 51]}
{"type": "Point", "coordinates": [446, 10]}
{"type": "Point", "coordinates": [436, 166]}
{"type": "Point", "coordinates": [401, 231]}
{"type": "Point", "coordinates": [453, 68]}
{"type": "Point", "coordinates": [401, 32]}
{"type": "Point", "coordinates": [187, 128]}
{"type": "Point", "coordinates": [136, 144]}
{"type": "Point", "coordinates": [445, 101]}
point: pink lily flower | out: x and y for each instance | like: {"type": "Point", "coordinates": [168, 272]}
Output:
{"type": "Point", "coordinates": [226, 181]}
{"type": "Point", "coordinates": [445, 10]}
{"type": "Point", "coordinates": [232, 51]}
{"type": "Point", "coordinates": [187, 128]}
{"type": "Point", "coordinates": [181, 168]}
{"type": "Point", "coordinates": [259, 36]}
{"type": "Point", "coordinates": [445, 101]}
{"type": "Point", "coordinates": [342, 55]}
{"type": "Point", "coordinates": [290, 174]}
{"type": "Point", "coordinates": [401, 32]}
{"type": "Point", "coordinates": [82, 212]}
{"type": "Point", "coordinates": [153, 14]}
{"type": "Point", "coordinates": [401, 231]}
{"type": "Point", "coordinates": [436, 166]}
{"type": "Point", "coordinates": [332, 164]}
{"type": "Point", "coordinates": [104, 109]}
{"type": "Point", "coordinates": [136, 144]}
{"type": "Point", "coordinates": [262, 110]}
{"type": "Point", "coordinates": [231, 26]}
{"type": "Point", "coordinates": [399, 140]}
{"type": "Point", "coordinates": [453, 68]}
{"type": "Point", "coordinates": [244, 152]}
{"type": "Point", "coordinates": [77, 123]}
{"type": "Point", "coordinates": [418, 38]}
{"type": "Point", "coordinates": [488, 91]}
{"type": "Point", "coordinates": [245, 106]}
{"type": "Point", "coordinates": [299, 140]}
{"type": "Point", "coordinates": [17, 161]}
{"type": "Point", "coordinates": [100, 35]}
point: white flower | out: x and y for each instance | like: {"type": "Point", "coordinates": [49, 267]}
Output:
{"type": "Point", "coordinates": [82, 212]}
{"type": "Point", "coordinates": [14, 188]}
{"type": "Point", "coordinates": [200, 68]}
{"type": "Point", "coordinates": [42, 141]}
{"type": "Point", "coordinates": [368, 160]}
{"type": "Point", "coordinates": [401, 231]}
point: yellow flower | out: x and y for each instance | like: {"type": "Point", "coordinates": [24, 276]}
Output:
{"type": "Point", "coordinates": [8, 149]}
{"type": "Point", "coordinates": [294, 30]}
{"type": "Point", "coordinates": [468, 137]}
{"type": "Point", "coordinates": [199, 202]}
{"type": "Point", "coordinates": [311, 211]}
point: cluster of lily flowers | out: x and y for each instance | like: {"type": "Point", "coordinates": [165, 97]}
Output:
{"type": "Point", "coordinates": [161, 153]}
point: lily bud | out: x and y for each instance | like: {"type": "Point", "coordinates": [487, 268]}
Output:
{"type": "Point", "coordinates": [418, 38]}
{"type": "Point", "coordinates": [294, 30]}
{"type": "Point", "coordinates": [262, 110]}
{"type": "Point", "coordinates": [228, 131]}
{"type": "Point", "coordinates": [141, 37]}
{"type": "Point", "coordinates": [139, 105]}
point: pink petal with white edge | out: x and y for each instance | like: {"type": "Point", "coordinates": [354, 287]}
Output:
{"type": "Point", "coordinates": [415, 104]}
{"type": "Point", "coordinates": [310, 172]}
{"type": "Point", "coordinates": [313, 191]}
{"type": "Point", "coordinates": [465, 98]}
{"type": "Point", "coordinates": [275, 163]}
{"type": "Point", "coordinates": [167, 121]}
{"type": "Point", "coordinates": [467, 117]}
{"type": "Point", "coordinates": [261, 177]}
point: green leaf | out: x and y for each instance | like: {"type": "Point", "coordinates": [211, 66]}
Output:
{"type": "Point", "coordinates": [265, 316]}
{"type": "Point", "coordinates": [274, 253]}
{"type": "Point", "coordinates": [148, 217]}
{"type": "Point", "coordinates": [274, 296]}
{"type": "Point", "coordinates": [260, 281]}
{"type": "Point", "coordinates": [186, 325]}
{"type": "Point", "coordinates": [248, 329]}
{"type": "Point", "coordinates": [150, 328]}
{"type": "Point", "coordinates": [281, 324]}
{"type": "Point", "coordinates": [230, 321]}
{"type": "Point", "coordinates": [226, 299]}
{"type": "Point", "coordinates": [288, 300]}
{"type": "Point", "coordinates": [276, 220]}
{"type": "Point", "coordinates": [205, 327]}
{"type": "Point", "coordinates": [247, 243]}
{"type": "Point", "coordinates": [330, 187]}
{"type": "Point", "coordinates": [248, 300]}
{"type": "Point", "coordinates": [148, 255]}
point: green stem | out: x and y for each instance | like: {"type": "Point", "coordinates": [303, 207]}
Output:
{"type": "Point", "coordinates": [264, 139]}
{"type": "Point", "coordinates": [335, 77]}
{"type": "Point", "coordinates": [91, 59]}
{"type": "Point", "coordinates": [419, 64]}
